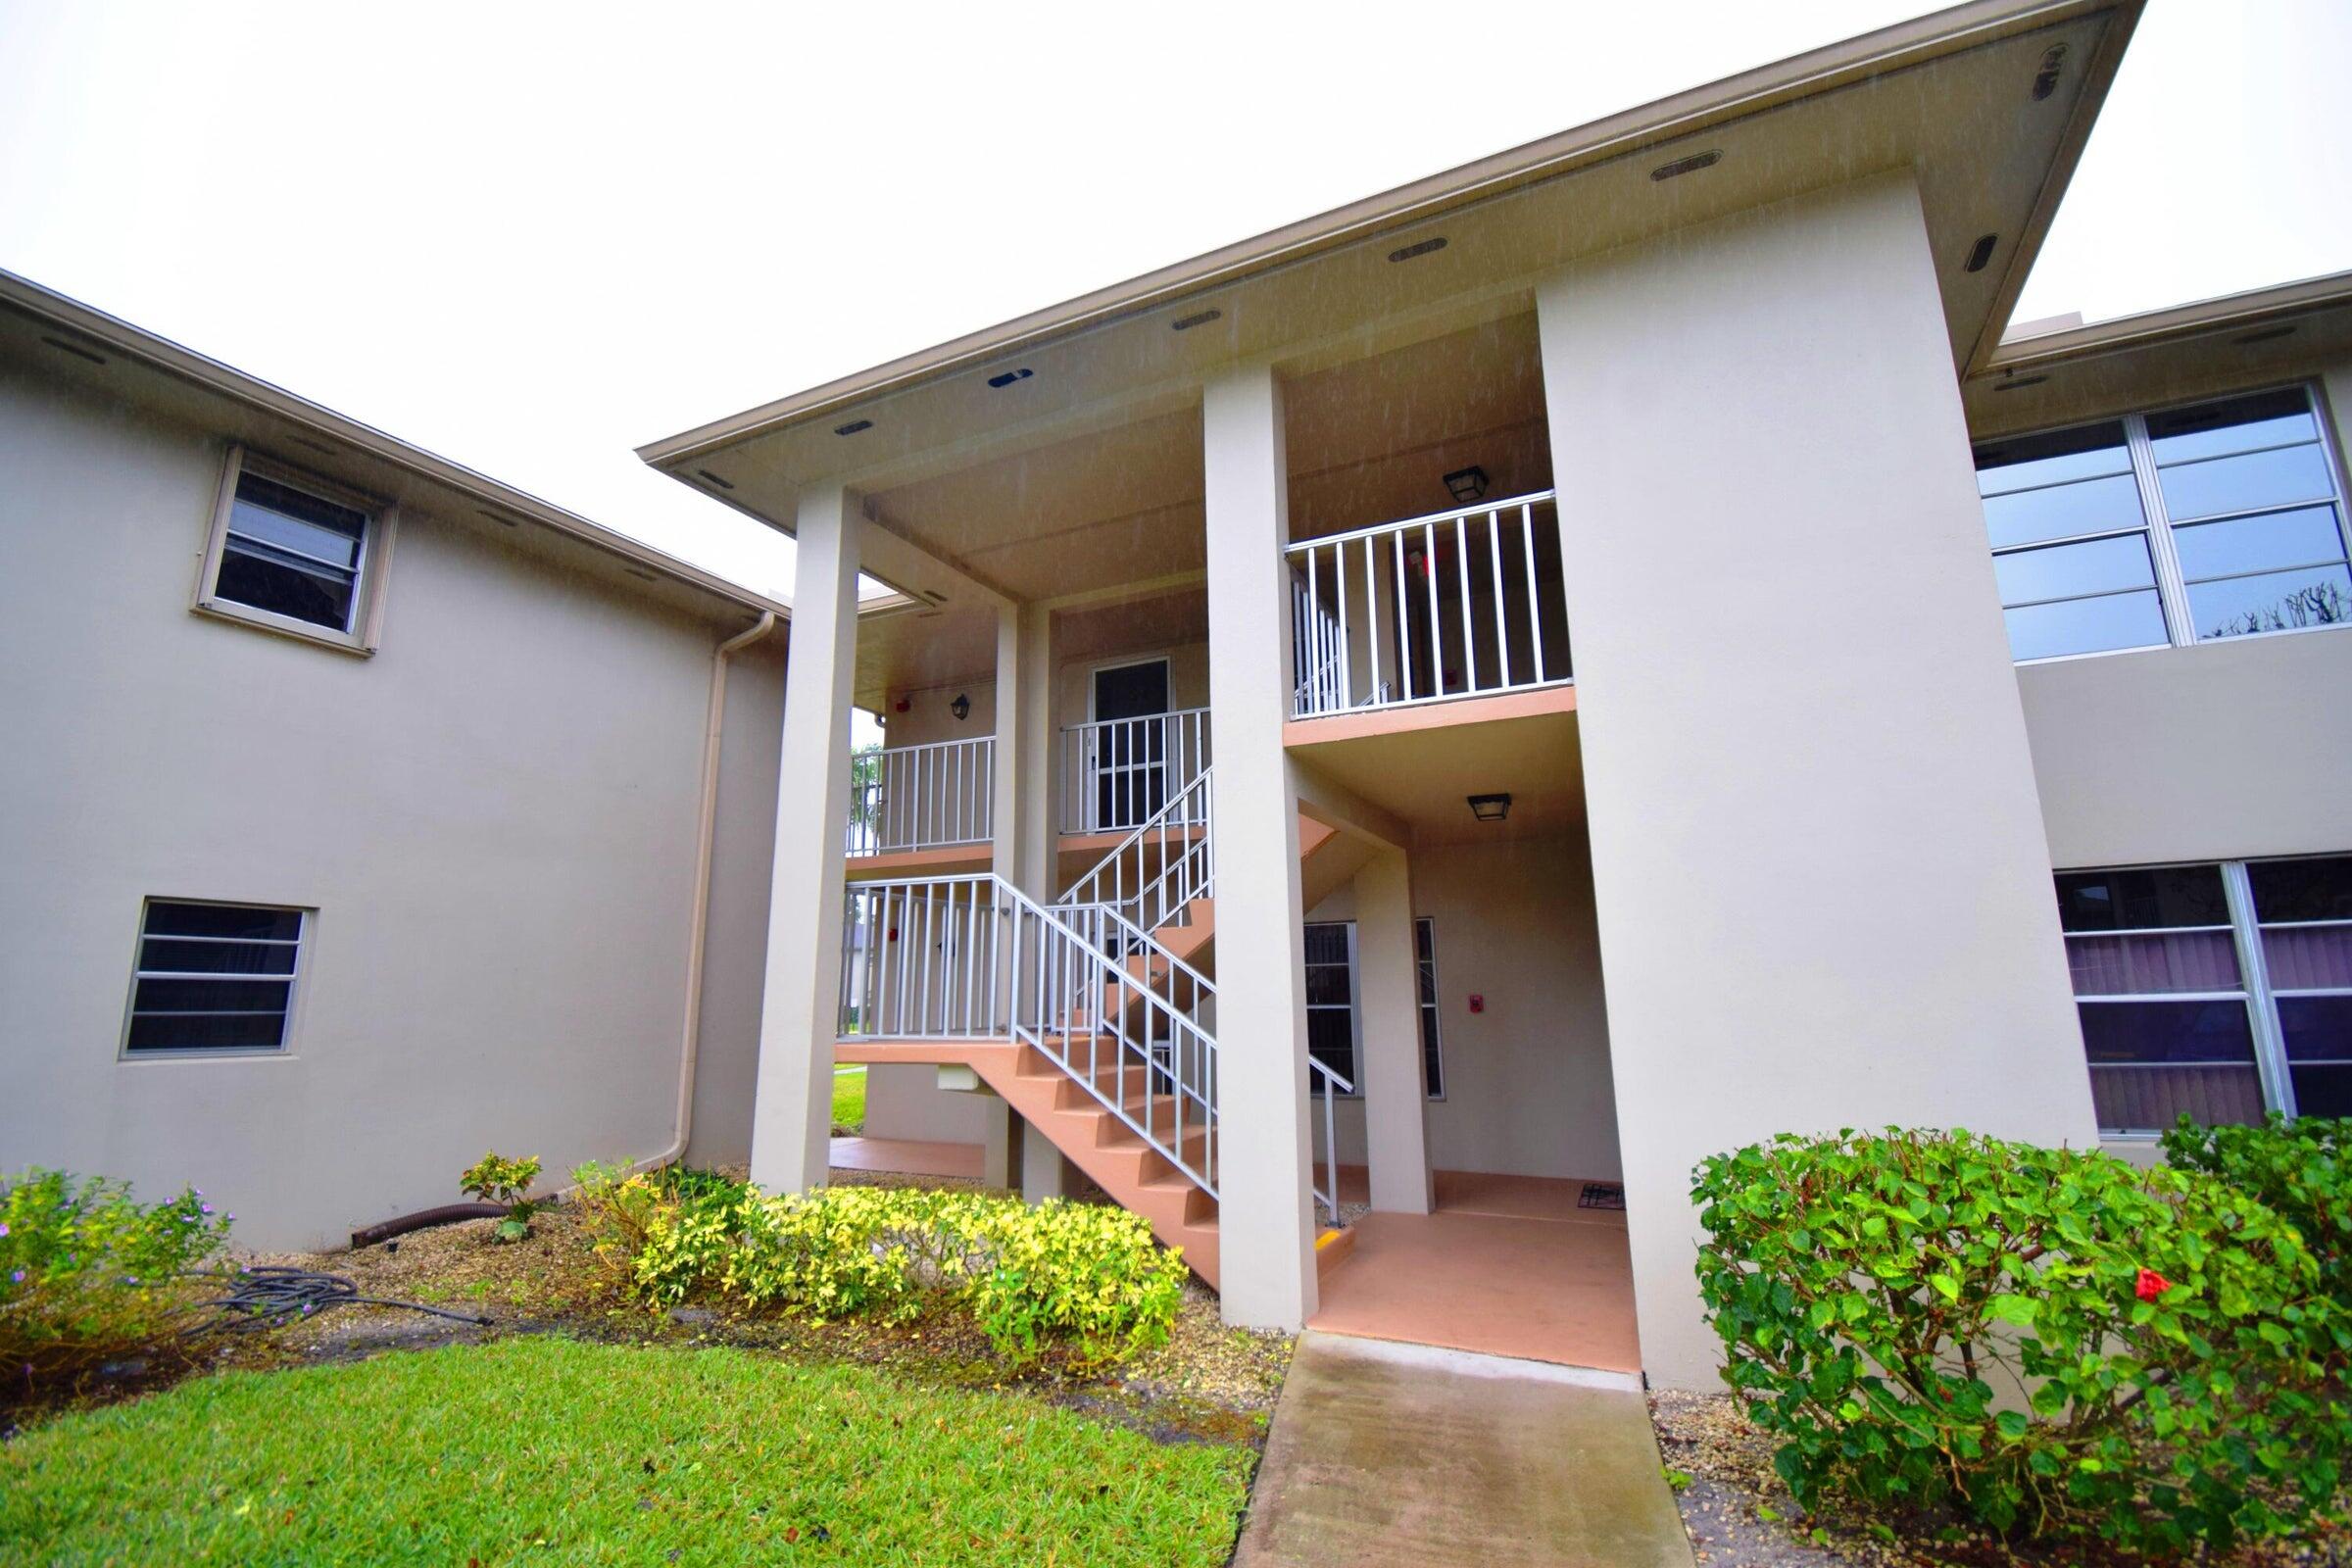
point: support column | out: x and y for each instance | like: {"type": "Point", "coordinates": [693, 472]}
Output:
{"type": "Point", "coordinates": [1030, 1161]}
{"type": "Point", "coordinates": [1819, 869]}
{"type": "Point", "coordinates": [1033, 868]}
{"type": "Point", "coordinates": [1265, 1223]}
{"type": "Point", "coordinates": [1396, 1101]}
{"type": "Point", "coordinates": [792, 1110]}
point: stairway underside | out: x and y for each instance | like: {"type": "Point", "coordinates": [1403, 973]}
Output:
{"type": "Point", "coordinates": [1046, 1097]}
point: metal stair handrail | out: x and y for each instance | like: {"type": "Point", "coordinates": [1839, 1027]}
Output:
{"type": "Point", "coordinates": [1183, 833]}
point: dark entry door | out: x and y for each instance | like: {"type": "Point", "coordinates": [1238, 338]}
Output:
{"type": "Point", "coordinates": [1130, 760]}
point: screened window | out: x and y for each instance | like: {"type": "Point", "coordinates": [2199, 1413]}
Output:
{"type": "Point", "coordinates": [212, 977]}
{"type": "Point", "coordinates": [2221, 519]}
{"type": "Point", "coordinates": [2216, 991]}
{"type": "Point", "coordinates": [1425, 953]}
{"type": "Point", "coordinates": [1331, 998]}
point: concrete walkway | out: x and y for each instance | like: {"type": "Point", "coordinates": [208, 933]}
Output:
{"type": "Point", "coordinates": [1387, 1454]}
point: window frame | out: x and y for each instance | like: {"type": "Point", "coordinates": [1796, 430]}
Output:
{"type": "Point", "coordinates": [2157, 525]}
{"type": "Point", "coordinates": [1431, 1008]}
{"type": "Point", "coordinates": [305, 929]}
{"type": "Point", "coordinates": [363, 637]}
{"type": "Point", "coordinates": [2256, 991]}
{"type": "Point", "coordinates": [1354, 1010]}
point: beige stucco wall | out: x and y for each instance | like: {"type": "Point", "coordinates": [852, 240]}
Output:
{"type": "Point", "coordinates": [1527, 1081]}
{"type": "Point", "coordinates": [494, 819]}
{"type": "Point", "coordinates": [1823, 891]}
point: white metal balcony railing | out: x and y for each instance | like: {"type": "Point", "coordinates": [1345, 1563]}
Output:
{"type": "Point", "coordinates": [1457, 604]}
{"type": "Point", "coordinates": [1161, 866]}
{"type": "Point", "coordinates": [1116, 773]}
{"type": "Point", "coordinates": [922, 797]}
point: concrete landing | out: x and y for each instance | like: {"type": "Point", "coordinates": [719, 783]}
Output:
{"type": "Point", "coordinates": [1396, 1454]}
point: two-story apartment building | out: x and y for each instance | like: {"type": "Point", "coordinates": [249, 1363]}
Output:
{"type": "Point", "coordinates": [1559, 670]}
{"type": "Point", "coordinates": [1405, 733]}
{"type": "Point", "coordinates": [359, 812]}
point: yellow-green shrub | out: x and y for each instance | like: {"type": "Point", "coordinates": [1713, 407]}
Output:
{"type": "Point", "coordinates": [1081, 1277]}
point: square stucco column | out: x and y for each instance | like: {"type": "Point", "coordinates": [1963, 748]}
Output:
{"type": "Point", "coordinates": [1823, 893]}
{"type": "Point", "coordinates": [1388, 967]}
{"type": "Point", "coordinates": [1265, 1220]}
{"type": "Point", "coordinates": [791, 1109]}
{"type": "Point", "coordinates": [1031, 866]}
{"type": "Point", "coordinates": [1030, 1161]}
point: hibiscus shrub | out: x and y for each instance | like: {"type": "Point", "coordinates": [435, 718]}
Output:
{"type": "Point", "coordinates": [88, 1275]}
{"type": "Point", "coordinates": [2050, 1342]}
{"type": "Point", "coordinates": [2300, 1170]}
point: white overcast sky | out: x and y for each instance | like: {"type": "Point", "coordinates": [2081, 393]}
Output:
{"type": "Point", "coordinates": [530, 237]}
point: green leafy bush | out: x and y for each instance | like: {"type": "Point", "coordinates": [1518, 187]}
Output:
{"type": "Point", "coordinates": [1083, 1278]}
{"type": "Point", "coordinates": [2299, 1171]}
{"type": "Point", "coordinates": [2053, 1342]}
{"type": "Point", "coordinates": [88, 1275]}
{"type": "Point", "coordinates": [496, 1179]}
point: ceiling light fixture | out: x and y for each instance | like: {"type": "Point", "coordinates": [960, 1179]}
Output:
{"type": "Point", "coordinates": [852, 427]}
{"type": "Point", "coordinates": [1424, 248]}
{"type": "Point", "coordinates": [961, 707]}
{"type": "Point", "coordinates": [723, 484]}
{"type": "Point", "coordinates": [75, 349]}
{"type": "Point", "coordinates": [1466, 484]}
{"type": "Point", "coordinates": [1980, 252]}
{"type": "Point", "coordinates": [1687, 166]}
{"type": "Point", "coordinates": [1489, 808]}
{"type": "Point", "coordinates": [1185, 323]}
{"type": "Point", "coordinates": [1008, 377]}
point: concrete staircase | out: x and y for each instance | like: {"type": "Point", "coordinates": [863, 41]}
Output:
{"type": "Point", "coordinates": [1058, 1103]}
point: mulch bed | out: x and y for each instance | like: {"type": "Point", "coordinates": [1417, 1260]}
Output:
{"type": "Point", "coordinates": [1208, 1383]}
{"type": "Point", "coordinates": [1738, 1514]}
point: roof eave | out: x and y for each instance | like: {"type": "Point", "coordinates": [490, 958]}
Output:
{"type": "Point", "coordinates": [2254, 308]}
{"type": "Point", "coordinates": [186, 365]}
{"type": "Point", "coordinates": [1669, 118]}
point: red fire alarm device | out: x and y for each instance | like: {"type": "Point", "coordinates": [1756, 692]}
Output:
{"type": "Point", "coordinates": [1477, 1004]}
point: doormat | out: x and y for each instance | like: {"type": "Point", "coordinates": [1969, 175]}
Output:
{"type": "Point", "coordinates": [1601, 1194]}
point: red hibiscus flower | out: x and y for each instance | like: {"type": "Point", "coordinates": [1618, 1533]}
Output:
{"type": "Point", "coordinates": [2151, 1285]}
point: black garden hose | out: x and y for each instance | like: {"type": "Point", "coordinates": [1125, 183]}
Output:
{"type": "Point", "coordinates": [267, 1296]}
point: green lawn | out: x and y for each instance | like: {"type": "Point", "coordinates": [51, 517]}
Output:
{"type": "Point", "coordinates": [849, 1100]}
{"type": "Point", "coordinates": [540, 1450]}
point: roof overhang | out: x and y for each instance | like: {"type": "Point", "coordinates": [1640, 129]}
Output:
{"type": "Point", "coordinates": [1948, 95]}
{"type": "Point", "coordinates": [2159, 356]}
{"type": "Point", "coordinates": [66, 340]}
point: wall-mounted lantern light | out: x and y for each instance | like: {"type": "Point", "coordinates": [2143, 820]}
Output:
{"type": "Point", "coordinates": [961, 707]}
{"type": "Point", "coordinates": [1466, 484]}
{"type": "Point", "coordinates": [1489, 808]}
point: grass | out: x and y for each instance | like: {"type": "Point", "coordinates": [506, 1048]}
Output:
{"type": "Point", "coordinates": [849, 1102]}
{"type": "Point", "coordinates": [546, 1449]}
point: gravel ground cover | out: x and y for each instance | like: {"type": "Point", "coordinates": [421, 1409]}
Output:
{"type": "Point", "coordinates": [1740, 1515]}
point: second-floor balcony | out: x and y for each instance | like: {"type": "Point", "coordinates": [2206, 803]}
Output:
{"type": "Point", "coordinates": [929, 797]}
{"type": "Point", "coordinates": [1469, 603]}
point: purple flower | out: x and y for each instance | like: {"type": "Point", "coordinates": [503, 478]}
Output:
{"type": "Point", "coordinates": [3, 1227]}
{"type": "Point", "coordinates": [207, 1208]}
{"type": "Point", "coordinates": [16, 1277]}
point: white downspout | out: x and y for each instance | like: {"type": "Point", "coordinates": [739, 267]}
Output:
{"type": "Point", "coordinates": [690, 1044]}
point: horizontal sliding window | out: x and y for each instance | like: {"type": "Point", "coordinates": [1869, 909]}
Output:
{"type": "Point", "coordinates": [212, 977]}
{"type": "Point", "coordinates": [2216, 991]}
{"type": "Point", "coordinates": [2222, 520]}
{"type": "Point", "coordinates": [2305, 911]}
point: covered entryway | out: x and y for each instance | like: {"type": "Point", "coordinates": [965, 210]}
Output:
{"type": "Point", "coordinates": [1526, 1267]}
